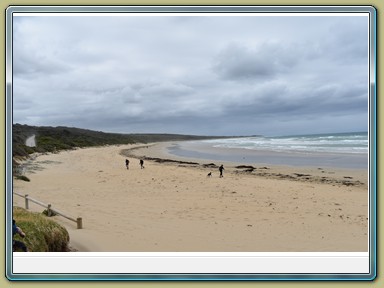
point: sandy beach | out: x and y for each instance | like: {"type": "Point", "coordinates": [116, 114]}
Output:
{"type": "Point", "coordinates": [172, 206]}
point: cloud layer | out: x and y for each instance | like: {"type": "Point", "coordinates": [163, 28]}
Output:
{"type": "Point", "coordinates": [192, 74]}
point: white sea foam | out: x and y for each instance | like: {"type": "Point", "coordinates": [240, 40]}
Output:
{"type": "Point", "coordinates": [327, 143]}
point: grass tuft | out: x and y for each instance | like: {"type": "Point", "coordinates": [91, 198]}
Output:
{"type": "Point", "coordinates": [42, 234]}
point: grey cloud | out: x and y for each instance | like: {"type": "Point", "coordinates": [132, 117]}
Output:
{"type": "Point", "coordinates": [168, 90]}
{"type": "Point", "coordinates": [193, 75]}
{"type": "Point", "coordinates": [346, 42]}
{"type": "Point", "coordinates": [34, 64]}
{"type": "Point", "coordinates": [237, 62]}
{"type": "Point", "coordinates": [279, 101]}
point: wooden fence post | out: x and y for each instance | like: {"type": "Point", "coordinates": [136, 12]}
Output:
{"type": "Point", "coordinates": [26, 201]}
{"type": "Point", "coordinates": [49, 211]}
{"type": "Point", "coordinates": [79, 223]}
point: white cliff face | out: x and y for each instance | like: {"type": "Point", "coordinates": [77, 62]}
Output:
{"type": "Point", "coordinates": [31, 141]}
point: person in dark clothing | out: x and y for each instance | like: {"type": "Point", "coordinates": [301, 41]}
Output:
{"type": "Point", "coordinates": [127, 163]}
{"type": "Point", "coordinates": [17, 245]}
{"type": "Point", "coordinates": [142, 163]}
{"type": "Point", "coordinates": [221, 169]}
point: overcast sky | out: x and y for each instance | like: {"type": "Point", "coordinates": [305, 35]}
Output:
{"type": "Point", "coordinates": [203, 75]}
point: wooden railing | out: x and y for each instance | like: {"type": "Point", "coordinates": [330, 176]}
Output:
{"type": "Point", "coordinates": [50, 210]}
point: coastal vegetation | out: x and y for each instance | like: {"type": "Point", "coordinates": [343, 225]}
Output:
{"type": "Point", "coordinates": [51, 139]}
{"type": "Point", "coordinates": [42, 233]}
{"type": "Point", "coordinates": [54, 139]}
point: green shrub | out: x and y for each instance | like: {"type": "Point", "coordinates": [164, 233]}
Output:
{"type": "Point", "coordinates": [45, 212]}
{"type": "Point", "coordinates": [42, 234]}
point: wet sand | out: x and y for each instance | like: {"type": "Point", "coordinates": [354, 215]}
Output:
{"type": "Point", "coordinates": [172, 206]}
{"type": "Point", "coordinates": [205, 150]}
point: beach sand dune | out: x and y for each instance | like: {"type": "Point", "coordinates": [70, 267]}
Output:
{"type": "Point", "coordinates": [175, 207]}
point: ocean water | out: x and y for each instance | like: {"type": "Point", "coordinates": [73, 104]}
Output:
{"type": "Point", "coordinates": [343, 150]}
{"type": "Point", "coordinates": [326, 143]}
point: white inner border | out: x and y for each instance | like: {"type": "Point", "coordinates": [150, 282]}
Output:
{"type": "Point", "coordinates": [180, 14]}
{"type": "Point", "coordinates": [191, 262]}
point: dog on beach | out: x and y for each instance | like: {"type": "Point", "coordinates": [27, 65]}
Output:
{"type": "Point", "coordinates": [209, 174]}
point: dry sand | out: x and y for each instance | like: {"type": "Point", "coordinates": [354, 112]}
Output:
{"type": "Point", "coordinates": [175, 207]}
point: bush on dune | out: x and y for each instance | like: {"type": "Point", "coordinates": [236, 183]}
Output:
{"type": "Point", "coordinates": [42, 234]}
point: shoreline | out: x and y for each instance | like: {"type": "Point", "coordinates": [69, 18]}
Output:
{"type": "Point", "coordinates": [174, 207]}
{"type": "Point", "coordinates": [202, 150]}
{"type": "Point", "coordinates": [159, 152]}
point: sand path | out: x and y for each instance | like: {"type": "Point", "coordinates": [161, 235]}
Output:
{"type": "Point", "coordinates": [31, 141]}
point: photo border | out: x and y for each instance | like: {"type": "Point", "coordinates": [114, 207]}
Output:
{"type": "Point", "coordinates": [204, 9]}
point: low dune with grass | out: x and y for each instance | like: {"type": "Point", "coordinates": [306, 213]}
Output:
{"type": "Point", "coordinates": [42, 234]}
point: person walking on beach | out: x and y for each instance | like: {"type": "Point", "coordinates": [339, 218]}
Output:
{"type": "Point", "coordinates": [221, 169]}
{"type": "Point", "coordinates": [17, 245]}
{"type": "Point", "coordinates": [127, 163]}
{"type": "Point", "coordinates": [142, 163]}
